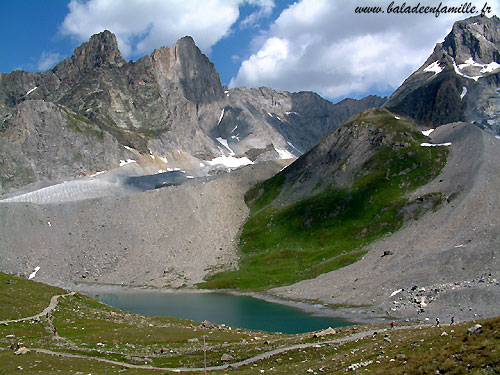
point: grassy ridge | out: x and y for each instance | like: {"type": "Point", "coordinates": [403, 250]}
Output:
{"type": "Point", "coordinates": [282, 245]}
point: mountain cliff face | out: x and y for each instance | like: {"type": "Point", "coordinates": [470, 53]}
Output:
{"type": "Point", "coordinates": [169, 105]}
{"type": "Point", "coordinates": [48, 142]}
{"type": "Point", "coordinates": [460, 81]}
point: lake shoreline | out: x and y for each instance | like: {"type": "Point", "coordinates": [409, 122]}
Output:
{"type": "Point", "coordinates": [351, 314]}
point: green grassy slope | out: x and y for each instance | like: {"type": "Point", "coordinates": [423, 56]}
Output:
{"type": "Point", "coordinates": [327, 229]}
{"type": "Point", "coordinates": [33, 295]}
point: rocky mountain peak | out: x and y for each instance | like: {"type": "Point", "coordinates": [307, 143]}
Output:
{"type": "Point", "coordinates": [101, 49]}
{"type": "Point", "coordinates": [196, 73]}
{"type": "Point", "coordinates": [476, 37]}
{"type": "Point", "coordinates": [459, 80]}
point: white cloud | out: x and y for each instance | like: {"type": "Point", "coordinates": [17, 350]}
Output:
{"type": "Point", "coordinates": [323, 46]}
{"type": "Point", "coordinates": [141, 26]}
{"type": "Point", "coordinates": [265, 8]}
{"type": "Point", "coordinates": [48, 60]}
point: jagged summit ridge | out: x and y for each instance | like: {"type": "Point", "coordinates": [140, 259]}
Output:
{"type": "Point", "coordinates": [459, 81]}
{"type": "Point", "coordinates": [167, 110]}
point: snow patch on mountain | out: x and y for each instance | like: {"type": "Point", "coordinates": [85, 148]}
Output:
{"type": "Point", "coordinates": [425, 144]}
{"type": "Point", "coordinates": [434, 68]}
{"type": "Point", "coordinates": [223, 142]}
{"type": "Point", "coordinates": [427, 132]}
{"type": "Point", "coordinates": [30, 91]}
{"type": "Point", "coordinates": [488, 68]}
{"type": "Point", "coordinates": [464, 92]}
{"type": "Point", "coordinates": [230, 161]}
{"type": "Point", "coordinates": [284, 154]}
{"type": "Point", "coordinates": [33, 274]}
{"type": "Point", "coordinates": [221, 116]}
{"type": "Point", "coordinates": [485, 68]}
{"type": "Point", "coordinates": [128, 161]}
{"type": "Point", "coordinates": [475, 66]}
{"type": "Point", "coordinates": [462, 74]}
{"type": "Point", "coordinates": [396, 292]}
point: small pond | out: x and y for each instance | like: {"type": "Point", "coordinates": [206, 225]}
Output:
{"type": "Point", "coordinates": [231, 310]}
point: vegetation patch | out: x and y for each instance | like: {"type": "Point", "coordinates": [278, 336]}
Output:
{"type": "Point", "coordinates": [82, 125]}
{"type": "Point", "coordinates": [280, 245]}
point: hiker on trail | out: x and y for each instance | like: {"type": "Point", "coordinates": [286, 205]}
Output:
{"type": "Point", "coordinates": [392, 324]}
{"type": "Point", "coordinates": [54, 330]}
{"type": "Point", "coordinates": [452, 320]}
{"type": "Point", "coordinates": [437, 322]}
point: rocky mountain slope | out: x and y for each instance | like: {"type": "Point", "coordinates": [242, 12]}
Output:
{"type": "Point", "coordinates": [320, 213]}
{"type": "Point", "coordinates": [165, 237]}
{"type": "Point", "coordinates": [446, 262]}
{"type": "Point", "coordinates": [167, 110]}
{"type": "Point", "coordinates": [460, 81]}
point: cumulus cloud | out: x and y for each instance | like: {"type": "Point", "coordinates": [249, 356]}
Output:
{"type": "Point", "coordinates": [48, 60]}
{"type": "Point", "coordinates": [323, 46]}
{"type": "Point", "coordinates": [140, 26]}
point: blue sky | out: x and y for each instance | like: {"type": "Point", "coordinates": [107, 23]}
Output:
{"type": "Point", "coordinates": [316, 45]}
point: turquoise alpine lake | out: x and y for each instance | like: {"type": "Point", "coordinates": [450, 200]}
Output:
{"type": "Point", "coordinates": [231, 310]}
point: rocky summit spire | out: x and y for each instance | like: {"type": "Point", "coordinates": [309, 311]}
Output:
{"type": "Point", "coordinates": [459, 81]}
{"type": "Point", "coordinates": [101, 49]}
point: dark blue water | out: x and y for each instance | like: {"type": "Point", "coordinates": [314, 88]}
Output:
{"type": "Point", "coordinates": [235, 311]}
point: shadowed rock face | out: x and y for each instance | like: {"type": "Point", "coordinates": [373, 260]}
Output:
{"type": "Point", "coordinates": [459, 81]}
{"type": "Point", "coordinates": [46, 141]}
{"type": "Point", "coordinates": [167, 104]}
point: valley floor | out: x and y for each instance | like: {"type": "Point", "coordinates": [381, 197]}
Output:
{"type": "Point", "coordinates": [444, 264]}
{"type": "Point", "coordinates": [93, 338]}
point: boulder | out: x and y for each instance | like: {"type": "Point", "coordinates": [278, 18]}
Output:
{"type": "Point", "coordinates": [325, 332]}
{"type": "Point", "coordinates": [208, 324]}
{"type": "Point", "coordinates": [227, 357]}
{"type": "Point", "coordinates": [421, 300]}
{"type": "Point", "coordinates": [140, 361]}
{"type": "Point", "coordinates": [21, 351]}
{"type": "Point", "coordinates": [475, 329]}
